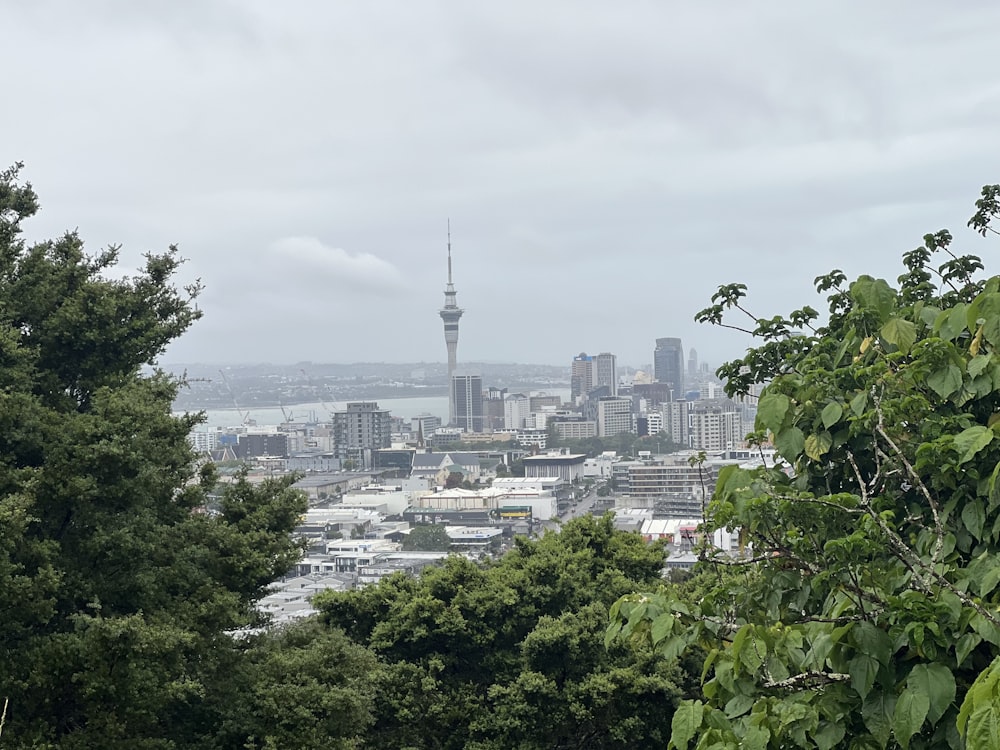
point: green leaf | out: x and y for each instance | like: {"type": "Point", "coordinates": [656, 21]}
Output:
{"type": "Point", "coordinates": [945, 381]}
{"type": "Point", "coordinates": [872, 640]}
{"type": "Point", "coordinates": [977, 364]}
{"type": "Point", "coordinates": [756, 738]}
{"type": "Point", "coordinates": [771, 411]}
{"type": "Point", "coordinates": [964, 647]}
{"type": "Point", "coordinates": [951, 322]}
{"type": "Point", "coordinates": [790, 443]}
{"type": "Point", "coordinates": [817, 446]}
{"type": "Point", "coordinates": [972, 440]}
{"type": "Point", "coordinates": [828, 735]}
{"type": "Point", "coordinates": [983, 729]}
{"type": "Point", "coordinates": [985, 308]}
{"type": "Point", "coordinates": [662, 626]}
{"type": "Point", "coordinates": [909, 714]}
{"type": "Point", "coordinates": [832, 413]}
{"type": "Point", "coordinates": [738, 705]}
{"type": "Point", "coordinates": [863, 668]}
{"type": "Point", "coordinates": [859, 403]}
{"type": "Point", "coordinates": [974, 516]}
{"type": "Point", "coordinates": [936, 682]}
{"type": "Point", "coordinates": [686, 723]}
{"type": "Point", "coordinates": [874, 294]}
{"type": "Point", "coordinates": [877, 712]}
{"type": "Point", "coordinates": [900, 332]}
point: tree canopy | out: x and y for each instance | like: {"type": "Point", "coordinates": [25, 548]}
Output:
{"type": "Point", "coordinates": [864, 613]}
{"type": "Point", "coordinates": [511, 654]}
{"type": "Point", "coordinates": [116, 588]}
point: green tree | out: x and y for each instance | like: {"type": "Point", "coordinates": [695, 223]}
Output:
{"type": "Point", "coordinates": [865, 612]}
{"type": "Point", "coordinates": [511, 654]}
{"type": "Point", "coordinates": [427, 538]}
{"type": "Point", "coordinates": [299, 688]}
{"type": "Point", "coordinates": [116, 589]}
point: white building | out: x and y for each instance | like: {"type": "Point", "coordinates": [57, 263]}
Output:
{"type": "Point", "coordinates": [516, 408]}
{"type": "Point", "coordinates": [614, 416]}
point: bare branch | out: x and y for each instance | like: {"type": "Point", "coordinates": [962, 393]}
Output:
{"type": "Point", "coordinates": [809, 680]}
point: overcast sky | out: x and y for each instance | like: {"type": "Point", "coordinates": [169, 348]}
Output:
{"type": "Point", "coordinates": [605, 165]}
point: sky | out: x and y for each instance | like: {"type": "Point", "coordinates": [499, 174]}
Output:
{"type": "Point", "coordinates": [605, 166]}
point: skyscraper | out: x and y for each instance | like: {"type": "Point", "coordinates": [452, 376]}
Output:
{"type": "Point", "coordinates": [359, 430]}
{"type": "Point", "coordinates": [581, 376]}
{"type": "Point", "coordinates": [606, 372]}
{"type": "Point", "coordinates": [450, 314]}
{"type": "Point", "coordinates": [467, 396]}
{"type": "Point", "coordinates": [668, 365]}
{"type": "Point", "coordinates": [693, 365]}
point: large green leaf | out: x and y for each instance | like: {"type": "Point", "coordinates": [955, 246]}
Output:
{"type": "Point", "coordinates": [983, 729]}
{"type": "Point", "coordinates": [872, 640]}
{"type": "Point", "coordinates": [828, 735]}
{"type": "Point", "coordinates": [945, 380]}
{"type": "Point", "coordinates": [974, 516]}
{"type": "Point", "coordinates": [908, 716]}
{"type": "Point", "coordinates": [831, 414]}
{"type": "Point", "coordinates": [817, 446]}
{"type": "Point", "coordinates": [790, 442]}
{"type": "Point", "coordinates": [863, 669]}
{"type": "Point", "coordinates": [686, 723]}
{"type": "Point", "coordinates": [972, 440]}
{"type": "Point", "coordinates": [875, 295]}
{"type": "Point", "coordinates": [936, 682]}
{"type": "Point", "coordinates": [877, 712]}
{"type": "Point", "coordinates": [985, 311]}
{"type": "Point", "coordinates": [900, 332]}
{"type": "Point", "coordinates": [771, 411]}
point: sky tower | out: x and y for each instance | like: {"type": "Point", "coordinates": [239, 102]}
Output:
{"type": "Point", "coordinates": [450, 314]}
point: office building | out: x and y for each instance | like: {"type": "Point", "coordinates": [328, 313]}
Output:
{"type": "Point", "coordinates": [614, 416]}
{"type": "Point", "coordinates": [668, 364]}
{"type": "Point", "coordinates": [606, 373]}
{"type": "Point", "coordinates": [517, 407]}
{"type": "Point", "coordinates": [581, 376]}
{"type": "Point", "coordinates": [467, 396]}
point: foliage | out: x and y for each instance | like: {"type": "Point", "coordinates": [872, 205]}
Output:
{"type": "Point", "coordinates": [865, 611]}
{"type": "Point", "coordinates": [511, 654]}
{"type": "Point", "coordinates": [115, 588]}
{"type": "Point", "coordinates": [299, 687]}
{"type": "Point", "coordinates": [427, 538]}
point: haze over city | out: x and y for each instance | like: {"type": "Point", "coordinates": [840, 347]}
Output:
{"type": "Point", "coordinates": [604, 166]}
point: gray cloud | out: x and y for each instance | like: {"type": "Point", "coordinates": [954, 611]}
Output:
{"type": "Point", "coordinates": [605, 166]}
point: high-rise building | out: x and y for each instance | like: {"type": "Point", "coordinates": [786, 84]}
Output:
{"type": "Point", "coordinates": [451, 313]}
{"type": "Point", "coordinates": [359, 430]}
{"type": "Point", "coordinates": [693, 364]}
{"type": "Point", "coordinates": [467, 395]}
{"type": "Point", "coordinates": [494, 413]}
{"type": "Point", "coordinates": [516, 410]}
{"type": "Point", "coordinates": [581, 376]}
{"type": "Point", "coordinates": [668, 364]}
{"type": "Point", "coordinates": [614, 416]}
{"type": "Point", "coordinates": [605, 372]}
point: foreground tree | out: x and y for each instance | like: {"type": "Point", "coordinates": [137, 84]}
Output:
{"type": "Point", "coordinates": [865, 612]}
{"type": "Point", "coordinates": [511, 654]}
{"type": "Point", "coordinates": [115, 591]}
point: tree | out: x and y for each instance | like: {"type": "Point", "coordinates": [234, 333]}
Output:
{"type": "Point", "coordinates": [116, 590]}
{"type": "Point", "coordinates": [427, 538]}
{"type": "Point", "coordinates": [864, 613]}
{"type": "Point", "coordinates": [511, 654]}
{"type": "Point", "coordinates": [300, 687]}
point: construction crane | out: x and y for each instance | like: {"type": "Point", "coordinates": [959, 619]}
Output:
{"type": "Point", "coordinates": [319, 393]}
{"type": "Point", "coordinates": [244, 416]}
